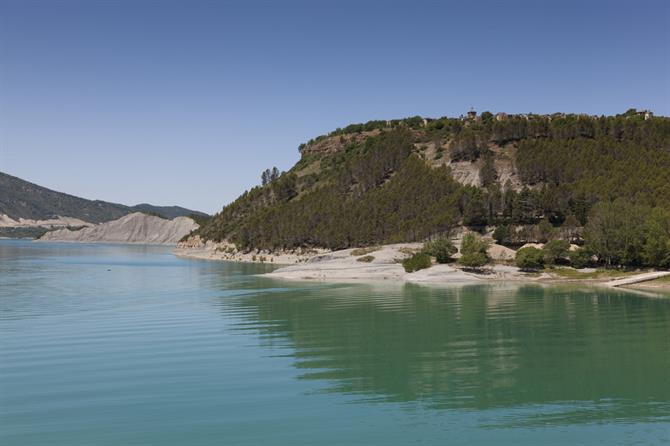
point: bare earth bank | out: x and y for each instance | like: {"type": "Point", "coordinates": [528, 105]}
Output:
{"type": "Point", "coordinates": [132, 228]}
{"type": "Point", "coordinates": [383, 263]}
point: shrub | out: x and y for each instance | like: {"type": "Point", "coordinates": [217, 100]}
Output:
{"type": "Point", "coordinates": [473, 251]}
{"type": "Point", "coordinates": [474, 260]}
{"type": "Point", "coordinates": [545, 230]}
{"type": "Point", "coordinates": [614, 232]}
{"type": "Point", "coordinates": [416, 262]}
{"type": "Point", "coordinates": [502, 234]}
{"type": "Point", "coordinates": [656, 249]}
{"type": "Point", "coordinates": [201, 220]}
{"type": "Point", "coordinates": [555, 250]}
{"type": "Point", "coordinates": [442, 249]}
{"type": "Point", "coordinates": [580, 258]}
{"type": "Point", "coordinates": [530, 258]}
{"type": "Point", "coordinates": [366, 259]}
{"type": "Point", "coordinates": [364, 251]}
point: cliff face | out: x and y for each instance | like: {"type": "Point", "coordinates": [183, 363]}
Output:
{"type": "Point", "coordinates": [132, 228]}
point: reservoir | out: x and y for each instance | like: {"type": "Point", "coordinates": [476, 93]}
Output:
{"type": "Point", "coordinates": [124, 344]}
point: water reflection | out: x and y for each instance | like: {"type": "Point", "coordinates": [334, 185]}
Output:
{"type": "Point", "coordinates": [100, 333]}
{"type": "Point", "coordinates": [582, 354]}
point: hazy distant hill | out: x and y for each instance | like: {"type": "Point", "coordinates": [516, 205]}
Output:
{"type": "Point", "coordinates": [22, 199]}
{"type": "Point", "coordinates": [166, 211]}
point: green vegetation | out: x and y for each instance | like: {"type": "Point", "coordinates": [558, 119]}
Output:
{"type": "Point", "coordinates": [23, 232]}
{"type": "Point", "coordinates": [473, 251]}
{"type": "Point", "coordinates": [656, 235]}
{"type": "Point", "coordinates": [374, 185]}
{"type": "Point", "coordinates": [487, 173]}
{"type": "Point", "coordinates": [200, 219]}
{"type": "Point", "coordinates": [363, 251]}
{"type": "Point", "coordinates": [269, 175]}
{"type": "Point", "coordinates": [569, 273]}
{"type": "Point", "coordinates": [418, 261]}
{"type": "Point", "coordinates": [442, 249]}
{"type": "Point", "coordinates": [627, 234]}
{"type": "Point", "coordinates": [530, 258]}
{"type": "Point", "coordinates": [502, 235]}
{"type": "Point", "coordinates": [365, 259]}
{"type": "Point", "coordinates": [21, 199]}
{"type": "Point", "coordinates": [155, 214]}
{"type": "Point", "coordinates": [168, 212]}
{"type": "Point", "coordinates": [555, 251]}
{"type": "Point", "coordinates": [580, 258]}
{"type": "Point", "coordinates": [665, 280]}
{"type": "Point", "coordinates": [378, 193]}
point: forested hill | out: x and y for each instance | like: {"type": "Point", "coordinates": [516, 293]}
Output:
{"type": "Point", "coordinates": [531, 176]}
{"type": "Point", "coordinates": [22, 199]}
{"type": "Point", "coordinates": [168, 212]}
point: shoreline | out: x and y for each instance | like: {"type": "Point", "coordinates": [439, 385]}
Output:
{"type": "Point", "coordinates": [196, 248]}
{"type": "Point", "coordinates": [102, 242]}
{"type": "Point", "coordinates": [287, 259]}
{"type": "Point", "coordinates": [82, 242]}
{"type": "Point", "coordinates": [381, 263]}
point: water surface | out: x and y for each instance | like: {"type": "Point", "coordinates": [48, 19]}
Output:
{"type": "Point", "coordinates": [113, 344]}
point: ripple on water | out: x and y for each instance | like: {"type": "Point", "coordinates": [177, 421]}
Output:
{"type": "Point", "coordinates": [129, 345]}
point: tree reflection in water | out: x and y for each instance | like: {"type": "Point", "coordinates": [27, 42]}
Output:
{"type": "Point", "coordinates": [581, 354]}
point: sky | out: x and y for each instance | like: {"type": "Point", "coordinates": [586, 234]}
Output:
{"type": "Point", "coordinates": [187, 102]}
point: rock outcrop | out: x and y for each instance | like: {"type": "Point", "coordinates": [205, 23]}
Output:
{"type": "Point", "coordinates": [132, 228]}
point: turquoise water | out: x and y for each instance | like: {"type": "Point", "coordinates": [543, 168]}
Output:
{"type": "Point", "coordinates": [128, 345]}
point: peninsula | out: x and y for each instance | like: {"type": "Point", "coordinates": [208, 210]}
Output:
{"type": "Point", "coordinates": [529, 193]}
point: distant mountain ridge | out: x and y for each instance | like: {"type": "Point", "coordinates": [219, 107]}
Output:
{"type": "Point", "coordinates": [166, 211]}
{"type": "Point", "coordinates": [20, 199]}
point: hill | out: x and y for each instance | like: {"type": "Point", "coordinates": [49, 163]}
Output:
{"type": "Point", "coordinates": [26, 204]}
{"type": "Point", "coordinates": [532, 177]}
{"type": "Point", "coordinates": [22, 199]}
{"type": "Point", "coordinates": [132, 228]}
{"type": "Point", "coordinates": [166, 211]}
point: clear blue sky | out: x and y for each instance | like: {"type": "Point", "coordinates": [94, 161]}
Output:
{"type": "Point", "coordinates": [187, 102]}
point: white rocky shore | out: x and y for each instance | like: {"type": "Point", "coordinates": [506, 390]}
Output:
{"type": "Point", "coordinates": [194, 247]}
{"type": "Point", "coordinates": [383, 263]}
{"type": "Point", "coordinates": [378, 263]}
{"type": "Point", "coordinates": [132, 228]}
